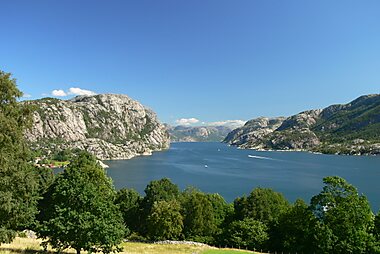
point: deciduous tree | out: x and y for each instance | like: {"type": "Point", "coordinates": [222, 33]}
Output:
{"type": "Point", "coordinates": [346, 214]}
{"type": "Point", "coordinates": [129, 202]}
{"type": "Point", "coordinates": [78, 210]}
{"type": "Point", "coordinates": [165, 221]}
{"type": "Point", "coordinates": [18, 181]}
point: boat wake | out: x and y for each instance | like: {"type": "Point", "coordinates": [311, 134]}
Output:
{"type": "Point", "coordinates": [261, 157]}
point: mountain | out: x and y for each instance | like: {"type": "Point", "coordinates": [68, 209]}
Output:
{"type": "Point", "coordinates": [198, 134]}
{"type": "Point", "coordinates": [352, 128]}
{"type": "Point", "coordinates": [107, 125]}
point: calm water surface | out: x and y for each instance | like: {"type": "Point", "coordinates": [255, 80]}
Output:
{"type": "Point", "coordinates": [216, 167]}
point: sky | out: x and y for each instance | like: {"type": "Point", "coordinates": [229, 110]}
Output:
{"type": "Point", "coordinates": [196, 62]}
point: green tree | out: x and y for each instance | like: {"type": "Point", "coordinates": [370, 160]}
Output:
{"type": "Point", "coordinates": [223, 214]}
{"type": "Point", "coordinates": [376, 233]}
{"type": "Point", "coordinates": [78, 209]}
{"type": "Point", "coordinates": [199, 219]}
{"type": "Point", "coordinates": [262, 204]}
{"type": "Point", "coordinates": [346, 214]}
{"type": "Point", "coordinates": [129, 202]}
{"type": "Point", "coordinates": [165, 221]}
{"type": "Point", "coordinates": [157, 190]}
{"type": "Point", "coordinates": [299, 231]}
{"type": "Point", "coordinates": [247, 233]}
{"type": "Point", "coordinates": [18, 181]}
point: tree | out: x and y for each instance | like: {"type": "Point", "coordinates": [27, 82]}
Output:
{"type": "Point", "coordinates": [129, 202]}
{"type": "Point", "coordinates": [165, 221]}
{"type": "Point", "coordinates": [223, 213]}
{"type": "Point", "coordinates": [262, 204]}
{"type": "Point", "coordinates": [247, 233]}
{"type": "Point", "coordinates": [199, 219]}
{"type": "Point", "coordinates": [18, 181]}
{"type": "Point", "coordinates": [346, 214]}
{"type": "Point", "coordinates": [157, 190]}
{"type": "Point", "coordinates": [78, 210]}
{"type": "Point", "coordinates": [376, 232]}
{"type": "Point", "coordinates": [297, 230]}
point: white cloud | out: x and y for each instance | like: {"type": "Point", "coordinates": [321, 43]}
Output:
{"type": "Point", "coordinates": [26, 95]}
{"type": "Point", "coordinates": [79, 91]}
{"type": "Point", "coordinates": [228, 123]}
{"type": "Point", "coordinates": [186, 121]}
{"type": "Point", "coordinates": [58, 93]}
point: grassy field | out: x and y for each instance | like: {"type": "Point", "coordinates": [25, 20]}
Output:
{"type": "Point", "coordinates": [27, 245]}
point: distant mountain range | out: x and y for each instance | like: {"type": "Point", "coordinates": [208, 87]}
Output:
{"type": "Point", "coordinates": [198, 133]}
{"type": "Point", "coordinates": [352, 128]}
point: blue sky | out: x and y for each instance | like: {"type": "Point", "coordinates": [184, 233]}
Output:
{"type": "Point", "coordinates": [212, 60]}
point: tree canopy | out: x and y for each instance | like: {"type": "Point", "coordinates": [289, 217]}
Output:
{"type": "Point", "coordinates": [346, 214]}
{"type": "Point", "coordinates": [78, 210]}
{"type": "Point", "coordinates": [18, 181]}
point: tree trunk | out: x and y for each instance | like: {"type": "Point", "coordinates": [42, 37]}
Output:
{"type": "Point", "coordinates": [78, 251]}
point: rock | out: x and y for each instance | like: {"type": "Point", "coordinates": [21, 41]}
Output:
{"type": "Point", "coordinates": [198, 133]}
{"type": "Point", "coordinates": [109, 126]}
{"type": "Point", "coordinates": [253, 132]}
{"type": "Point", "coordinates": [351, 128]}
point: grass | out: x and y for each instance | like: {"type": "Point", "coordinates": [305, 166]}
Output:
{"type": "Point", "coordinates": [227, 251]}
{"type": "Point", "coordinates": [27, 245]}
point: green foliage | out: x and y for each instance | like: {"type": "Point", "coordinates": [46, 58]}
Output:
{"type": "Point", "coordinates": [165, 221]}
{"type": "Point", "coordinates": [247, 233]}
{"type": "Point", "coordinates": [157, 190]}
{"type": "Point", "coordinates": [63, 155]}
{"type": "Point", "coordinates": [45, 178]}
{"type": "Point", "coordinates": [18, 181]}
{"type": "Point", "coordinates": [200, 223]}
{"type": "Point", "coordinates": [346, 214]}
{"type": "Point", "coordinates": [297, 230]}
{"type": "Point", "coordinates": [129, 202]}
{"type": "Point", "coordinates": [264, 205]}
{"type": "Point", "coordinates": [78, 209]}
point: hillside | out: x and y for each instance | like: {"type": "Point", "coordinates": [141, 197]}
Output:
{"type": "Point", "coordinates": [352, 128]}
{"type": "Point", "coordinates": [107, 125]}
{"type": "Point", "coordinates": [198, 133]}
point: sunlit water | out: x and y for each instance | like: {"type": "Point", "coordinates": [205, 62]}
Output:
{"type": "Point", "coordinates": [216, 167]}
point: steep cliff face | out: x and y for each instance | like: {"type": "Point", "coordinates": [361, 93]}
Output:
{"type": "Point", "coordinates": [107, 125]}
{"type": "Point", "coordinates": [198, 133]}
{"type": "Point", "coordinates": [352, 128]}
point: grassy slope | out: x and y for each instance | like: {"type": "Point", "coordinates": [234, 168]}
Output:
{"type": "Point", "coordinates": [27, 245]}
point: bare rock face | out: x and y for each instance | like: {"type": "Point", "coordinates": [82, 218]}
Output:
{"type": "Point", "coordinates": [107, 125]}
{"type": "Point", "coordinates": [198, 133]}
{"type": "Point", "coordinates": [254, 132]}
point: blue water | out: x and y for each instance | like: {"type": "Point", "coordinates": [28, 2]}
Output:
{"type": "Point", "coordinates": [231, 172]}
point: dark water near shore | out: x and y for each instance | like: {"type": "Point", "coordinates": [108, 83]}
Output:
{"type": "Point", "coordinates": [216, 167]}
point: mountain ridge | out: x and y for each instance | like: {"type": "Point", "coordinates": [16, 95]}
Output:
{"type": "Point", "coordinates": [183, 133]}
{"type": "Point", "coordinates": [352, 128]}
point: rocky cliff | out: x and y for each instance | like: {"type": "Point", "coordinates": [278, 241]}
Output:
{"type": "Point", "coordinates": [352, 128]}
{"type": "Point", "coordinates": [107, 125]}
{"type": "Point", "coordinates": [198, 133]}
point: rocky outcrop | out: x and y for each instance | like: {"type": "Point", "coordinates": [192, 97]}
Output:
{"type": "Point", "coordinates": [254, 131]}
{"type": "Point", "coordinates": [198, 133]}
{"type": "Point", "coordinates": [351, 128]}
{"type": "Point", "coordinates": [107, 125]}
